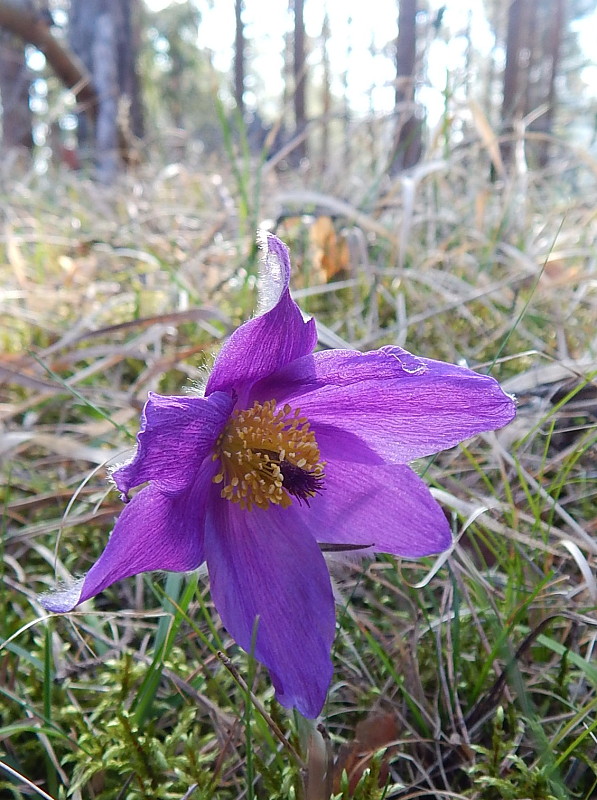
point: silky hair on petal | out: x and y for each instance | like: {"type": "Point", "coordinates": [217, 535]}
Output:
{"type": "Point", "coordinates": [271, 274]}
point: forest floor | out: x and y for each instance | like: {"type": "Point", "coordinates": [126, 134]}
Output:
{"type": "Point", "coordinates": [472, 676]}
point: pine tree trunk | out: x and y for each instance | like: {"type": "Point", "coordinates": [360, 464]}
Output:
{"type": "Point", "coordinates": [299, 65]}
{"type": "Point", "coordinates": [545, 122]}
{"type": "Point", "coordinates": [327, 95]}
{"type": "Point", "coordinates": [15, 82]}
{"type": "Point", "coordinates": [407, 144]}
{"type": "Point", "coordinates": [104, 35]}
{"type": "Point", "coordinates": [129, 44]}
{"type": "Point", "coordinates": [105, 73]}
{"type": "Point", "coordinates": [519, 49]}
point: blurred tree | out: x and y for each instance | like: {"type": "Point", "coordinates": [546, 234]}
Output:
{"type": "Point", "coordinates": [326, 104]}
{"type": "Point", "coordinates": [15, 80]}
{"type": "Point", "coordinates": [518, 55]}
{"type": "Point", "coordinates": [346, 107]}
{"type": "Point", "coordinates": [545, 121]}
{"type": "Point", "coordinates": [299, 68]}
{"type": "Point", "coordinates": [104, 34]}
{"type": "Point", "coordinates": [407, 143]}
{"type": "Point", "coordinates": [539, 40]}
{"type": "Point", "coordinates": [179, 80]}
{"type": "Point", "coordinates": [240, 43]}
{"type": "Point", "coordinates": [174, 60]}
{"type": "Point", "coordinates": [22, 21]}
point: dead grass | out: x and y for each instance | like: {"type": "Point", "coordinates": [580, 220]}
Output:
{"type": "Point", "coordinates": [472, 677]}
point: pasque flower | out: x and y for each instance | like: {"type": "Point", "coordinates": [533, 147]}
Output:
{"type": "Point", "coordinates": [286, 449]}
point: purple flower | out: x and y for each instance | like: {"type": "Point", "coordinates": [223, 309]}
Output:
{"type": "Point", "coordinates": [289, 448]}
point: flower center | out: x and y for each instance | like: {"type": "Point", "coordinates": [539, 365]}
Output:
{"type": "Point", "coordinates": [268, 455]}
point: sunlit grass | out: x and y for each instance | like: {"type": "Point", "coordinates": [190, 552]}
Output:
{"type": "Point", "coordinates": [473, 677]}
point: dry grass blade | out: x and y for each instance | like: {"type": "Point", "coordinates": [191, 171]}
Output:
{"type": "Point", "coordinates": [488, 136]}
{"type": "Point", "coordinates": [303, 201]}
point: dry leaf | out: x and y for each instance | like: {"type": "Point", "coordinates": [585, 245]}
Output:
{"type": "Point", "coordinates": [372, 734]}
{"type": "Point", "coordinates": [331, 252]}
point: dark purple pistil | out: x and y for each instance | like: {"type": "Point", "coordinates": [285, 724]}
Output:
{"type": "Point", "coordinates": [300, 483]}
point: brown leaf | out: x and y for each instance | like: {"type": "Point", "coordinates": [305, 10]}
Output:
{"type": "Point", "coordinates": [332, 255]}
{"type": "Point", "coordinates": [372, 734]}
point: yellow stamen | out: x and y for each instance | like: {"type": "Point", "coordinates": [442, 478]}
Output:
{"type": "Point", "coordinates": [268, 455]}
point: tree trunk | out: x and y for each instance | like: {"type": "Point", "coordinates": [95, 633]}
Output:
{"type": "Point", "coordinates": [105, 72]}
{"type": "Point", "coordinates": [239, 57]}
{"type": "Point", "coordinates": [129, 44]}
{"type": "Point", "coordinates": [407, 144]}
{"type": "Point", "coordinates": [519, 49]}
{"type": "Point", "coordinates": [346, 109]}
{"type": "Point", "coordinates": [531, 56]}
{"type": "Point", "coordinates": [327, 95]}
{"type": "Point", "coordinates": [15, 81]}
{"type": "Point", "coordinates": [104, 34]}
{"type": "Point", "coordinates": [512, 95]}
{"type": "Point", "coordinates": [545, 122]}
{"type": "Point", "coordinates": [299, 67]}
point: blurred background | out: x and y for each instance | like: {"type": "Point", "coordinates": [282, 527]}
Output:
{"type": "Point", "coordinates": [320, 86]}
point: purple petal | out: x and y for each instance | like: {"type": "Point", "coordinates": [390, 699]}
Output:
{"type": "Point", "coordinates": [388, 509]}
{"type": "Point", "coordinates": [340, 445]}
{"type": "Point", "coordinates": [401, 406]}
{"type": "Point", "coordinates": [267, 574]}
{"type": "Point", "coordinates": [155, 531]}
{"type": "Point", "coordinates": [176, 434]}
{"type": "Point", "coordinates": [271, 340]}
